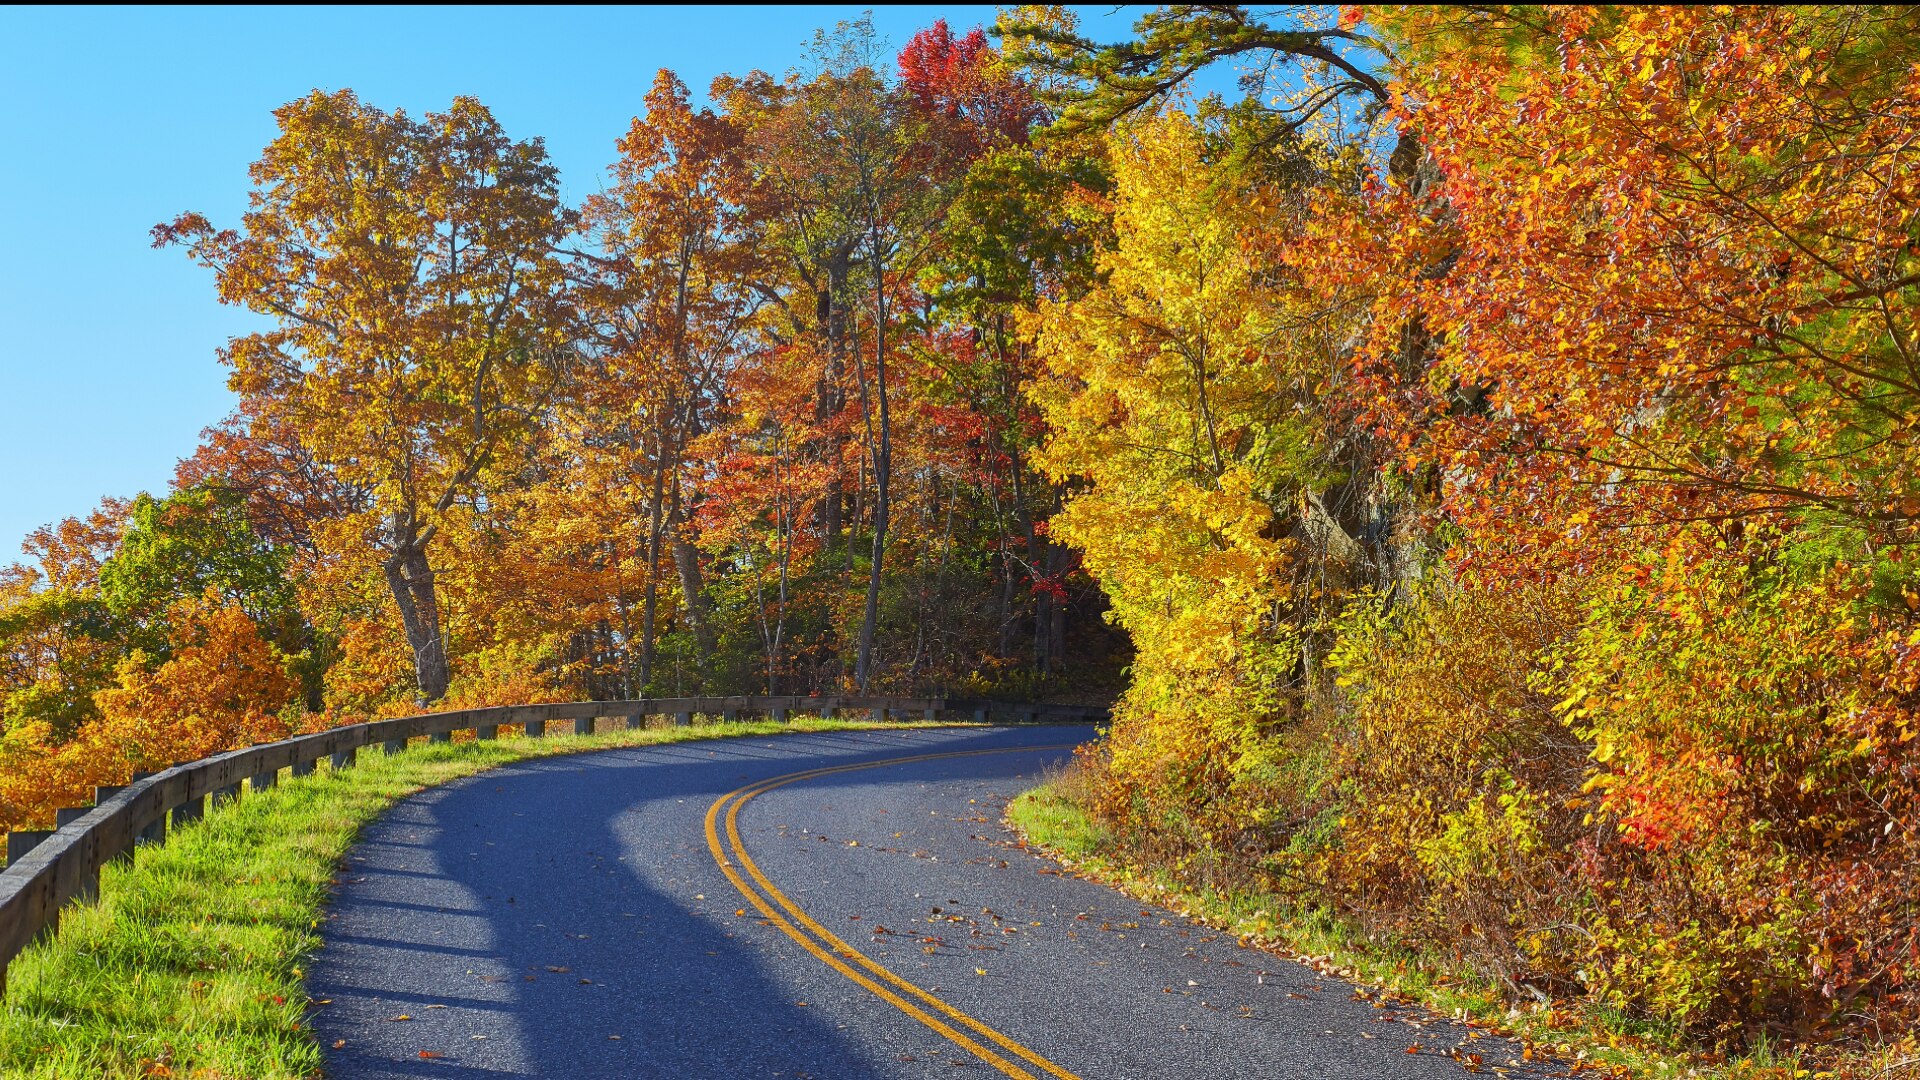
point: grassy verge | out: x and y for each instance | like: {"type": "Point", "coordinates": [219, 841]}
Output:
{"type": "Point", "coordinates": [1594, 1040]}
{"type": "Point", "coordinates": [190, 964]}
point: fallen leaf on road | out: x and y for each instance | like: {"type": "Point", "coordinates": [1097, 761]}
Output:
{"type": "Point", "coordinates": [339, 1043]}
{"type": "Point", "coordinates": [402, 1016]}
{"type": "Point", "coordinates": [430, 1054]}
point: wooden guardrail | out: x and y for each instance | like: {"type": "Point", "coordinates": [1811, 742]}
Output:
{"type": "Point", "coordinates": [46, 870]}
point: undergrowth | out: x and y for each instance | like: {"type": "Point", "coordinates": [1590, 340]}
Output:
{"type": "Point", "coordinates": [1591, 1038]}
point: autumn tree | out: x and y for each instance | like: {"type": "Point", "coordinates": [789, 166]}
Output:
{"type": "Point", "coordinates": [668, 293]}
{"type": "Point", "coordinates": [58, 640]}
{"type": "Point", "coordinates": [1181, 395]}
{"type": "Point", "coordinates": [221, 685]}
{"type": "Point", "coordinates": [1093, 86]}
{"type": "Point", "coordinates": [1023, 225]}
{"type": "Point", "coordinates": [409, 267]}
{"type": "Point", "coordinates": [852, 172]}
{"type": "Point", "coordinates": [1685, 276]}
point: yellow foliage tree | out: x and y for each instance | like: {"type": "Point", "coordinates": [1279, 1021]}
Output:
{"type": "Point", "coordinates": [410, 267]}
{"type": "Point", "coordinates": [1170, 394]}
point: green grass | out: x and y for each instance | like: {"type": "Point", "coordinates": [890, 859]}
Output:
{"type": "Point", "coordinates": [1601, 1040]}
{"type": "Point", "coordinates": [191, 963]}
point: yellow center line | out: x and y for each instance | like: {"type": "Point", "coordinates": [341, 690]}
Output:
{"type": "Point", "coordinates": [849, 951]}
{"type": "Point", "coordinates": [836, 948]}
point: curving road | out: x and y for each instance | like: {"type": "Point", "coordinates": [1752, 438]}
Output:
{"type": "Point", "coordinates": [800, 906]}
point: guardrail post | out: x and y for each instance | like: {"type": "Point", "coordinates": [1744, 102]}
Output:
{"type": "Point", "coordinates": [156, 831]}
{"type": "Point", "coordinates": [303, 768]}
{"type": "Point", "coordinates": [682, 719]}
{"type": "Point", "coordinates": [19, 843]}
{"type": "Point", "coordinates": [440, 737]}
{"type": "Point", "coordinates": [979, 716]}
{"type": "Point", "coordinates": [393, 746]}
{"type": "Point", "coordinates": [78, 874]}
{"type": "Point", "coordinates": [780, 715]}
{"type": "Point", "coordinates": [263, 781]}
{"type": "Point", "coordinates": [343, 759]}
{"type": "Point", "coordinates": [189, 811]}
{"type": "Point", "coordinates": [222, 796]}
{"type": "Point", "coordinates": [933, 714]}
{"type": "Point", "coordinates": [583, 726]}
{"type": "Point", "coordinates": [536, 729]}
{"type": "Point", "coordinates": [486, 731]}
{"type": "Point", "coordinates": [67, 815]}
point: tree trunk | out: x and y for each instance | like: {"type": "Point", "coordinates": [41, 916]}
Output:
{"type": "Point", "coordinates": [1058, 560]}
{"type": "Point", "coordinates": [410, 577]}
{"type": "Point", "coordinates": [882, 469]}
{"type": "Point", "coordinates": [1006, 601]}
{"type": "Point", "coordinates": [650, 598]}
{"type": "Point", "coordinates": [686, 559]}
{"type": "Point", "coordinates": [864, 668]}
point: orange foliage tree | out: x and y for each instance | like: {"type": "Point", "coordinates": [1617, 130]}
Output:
{"type": "Point", "coordinates": [410, 267]}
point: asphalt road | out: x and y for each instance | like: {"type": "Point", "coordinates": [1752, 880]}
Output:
{"type": "Point", "coordinates": [592, 916]}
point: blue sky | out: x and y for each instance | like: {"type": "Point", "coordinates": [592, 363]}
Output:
{"type": "Point", "coordinates": [114, 119]}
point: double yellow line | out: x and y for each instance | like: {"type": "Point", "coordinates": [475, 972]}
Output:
{"type": "Point", "coordinates": [827, 947]}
